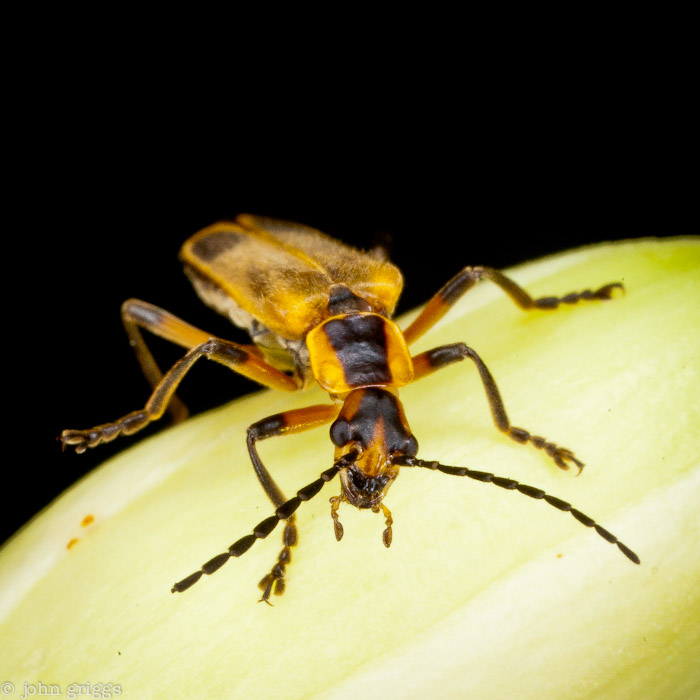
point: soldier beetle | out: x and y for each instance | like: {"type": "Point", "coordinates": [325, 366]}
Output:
{"type": "Point", "coordinates": [320, 311]}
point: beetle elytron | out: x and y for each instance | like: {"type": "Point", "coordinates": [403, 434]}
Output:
{"type": "Point", "coordinates": [319, 310]}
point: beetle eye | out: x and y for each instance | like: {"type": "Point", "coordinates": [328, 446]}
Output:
{"type": "Point", "coordinates": [411, 447]}
{"type": "Point", "coordinates": [340, 432]}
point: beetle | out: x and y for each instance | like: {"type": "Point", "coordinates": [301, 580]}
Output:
{"type": "Point", "coordinates": [318, 310]}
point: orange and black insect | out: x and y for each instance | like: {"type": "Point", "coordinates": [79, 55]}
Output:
{"type": "Point", "coordinates": [320, 311]}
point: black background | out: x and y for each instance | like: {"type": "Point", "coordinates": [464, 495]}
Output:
{"type": "Point", "coordinates": [105, 215]}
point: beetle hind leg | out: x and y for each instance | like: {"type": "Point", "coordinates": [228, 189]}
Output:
{"type": "Point", "coordinates": [465, 280]}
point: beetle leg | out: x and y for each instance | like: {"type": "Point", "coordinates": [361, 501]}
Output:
{"type": "Point", "coordinates": [265, 527]}
{"type": "Point", "coordinates": [140, 314]}
{"type": "Point", "coordinates": [234, 356]}
{"type": "Point", "coordinates": [293, 421]}
{"type": "Point", "coordinates": [463, 281]}
{"type": "Point", "coordinates": [135, 314]}
{"type": "Point", "coordinates": [437, 358]}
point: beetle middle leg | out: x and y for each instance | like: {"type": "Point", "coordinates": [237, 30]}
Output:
{"type": "Point", "coordinates": [294, 421]}
{"type": "Point", "coordinates": [463, 281]}
{"type": "Point", "coordinates": [437, 358]}
{"type": "Point", "coordinates": [232, 355]}
{"type": "Point", "coordinates": [137, 314]}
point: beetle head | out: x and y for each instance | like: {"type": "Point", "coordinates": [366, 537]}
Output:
{"type": "Point", "coordinates": [371, 423]}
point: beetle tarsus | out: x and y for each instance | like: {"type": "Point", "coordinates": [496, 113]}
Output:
{"type": "Point", "coordinates": [274, 582]}
{"type": "Point", "coordinates": [561, 456]}
{"type": "Point", "coordinates": [81, 440]}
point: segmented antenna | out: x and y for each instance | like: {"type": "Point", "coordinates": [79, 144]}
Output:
{"type": "Point", "coordinates": [510, 485]}
{"type": "Point", "coordinates": [265, 527]}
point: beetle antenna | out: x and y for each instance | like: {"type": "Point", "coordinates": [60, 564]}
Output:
{"type": "Point", "coordinates": [265, 527]}
{"type": "Point", "coordinates": [511, 484]}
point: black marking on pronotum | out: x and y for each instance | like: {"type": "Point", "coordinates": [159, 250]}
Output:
{"type": "Point", "coordinates": [359, 342]}
{"type": "Point", "coordinates": [531, 491]}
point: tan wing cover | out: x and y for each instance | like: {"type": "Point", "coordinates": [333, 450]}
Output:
{"type": "Point", "coordinates": [280, 272]}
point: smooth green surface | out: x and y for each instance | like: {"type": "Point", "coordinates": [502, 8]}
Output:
{"type": "Point", "coordinates": [483, 593]}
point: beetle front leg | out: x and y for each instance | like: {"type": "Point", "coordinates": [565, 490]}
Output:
{"type": "Point", "coordinates": [294, 421]}
{"type": "Point", "coordinates": [437, 358]}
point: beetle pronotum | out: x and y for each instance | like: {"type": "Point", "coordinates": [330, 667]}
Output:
{"type": "Point", "coordinates": [318, 310]}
